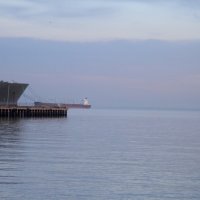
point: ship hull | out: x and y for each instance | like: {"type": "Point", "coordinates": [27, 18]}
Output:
{"type": "Point", "coordinates": [55, 105]}
{"type": "Point", "coordinates": [11, 92]}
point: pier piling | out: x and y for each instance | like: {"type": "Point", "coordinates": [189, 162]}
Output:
{"type": "Point", "coordinates": [32, 111]}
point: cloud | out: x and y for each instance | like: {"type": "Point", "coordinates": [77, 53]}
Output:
{"type": "Point", "coordinates": [60, 9]}
{"type": "Point", "coordinates": [77, 8]}
{"type": "Point", "coordinates": [99, 19]}
{"type": "Point", "coordinates": [140, 73]}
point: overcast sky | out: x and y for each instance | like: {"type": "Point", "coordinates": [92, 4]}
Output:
{"type": "Point", "coordinates": [122, 53]}
{"type": "Point", "coordinates": [89, 20]}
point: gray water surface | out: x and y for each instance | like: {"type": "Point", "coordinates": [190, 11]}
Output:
{"type": "Point", "coordinates": [102, 154]}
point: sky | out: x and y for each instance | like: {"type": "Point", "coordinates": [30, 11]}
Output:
{"type": "Point", "coordinates": [118, 53]}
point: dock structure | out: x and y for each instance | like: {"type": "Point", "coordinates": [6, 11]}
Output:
{"type": "Point", "coordinates": [10, 94]}
{"type": "Point", "coordinates": [32, 111]}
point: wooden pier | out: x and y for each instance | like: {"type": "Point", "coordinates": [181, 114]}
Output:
{"type": "Point", "coordinates": [32, 111]}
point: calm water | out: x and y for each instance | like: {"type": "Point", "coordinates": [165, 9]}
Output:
{"type": "Point", "coordinates": [102, 154]}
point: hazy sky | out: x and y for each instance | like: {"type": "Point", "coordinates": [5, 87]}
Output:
{"type": "Point", "coordinates": [122, 53]}
{"type": "Point", "coordinates": [89, 20]}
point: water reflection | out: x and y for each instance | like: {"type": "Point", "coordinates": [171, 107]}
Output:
{"type": "Point", "coordinates": [102, 155]}
{"type": "Point", "coordinates": [9, 133]}
{"type": "Point", "coordinates": [11, 152]}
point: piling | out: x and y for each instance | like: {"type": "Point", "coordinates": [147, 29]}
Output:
{"type": "Point", "coordinates": [32, 111]}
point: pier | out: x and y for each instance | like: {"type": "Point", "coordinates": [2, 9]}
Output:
{"type": "Point", "coordinates": [9, 108]}
{"type": "Point", "coordinates": [32, 111]}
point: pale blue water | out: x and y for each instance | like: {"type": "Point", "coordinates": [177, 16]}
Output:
{"type": "Point", "coordinates": [102, 154]}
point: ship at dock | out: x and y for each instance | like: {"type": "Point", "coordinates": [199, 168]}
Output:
{"type": "Point", "coordinates": [10, 93]}
{"type": "Point", "coordinates": [85, 104]}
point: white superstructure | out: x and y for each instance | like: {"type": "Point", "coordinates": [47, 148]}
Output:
{"type": "Point", "coordinates": [86, 102]}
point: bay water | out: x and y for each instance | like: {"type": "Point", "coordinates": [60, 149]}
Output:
{"type": "Point", "coordinates": [101, 154]}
